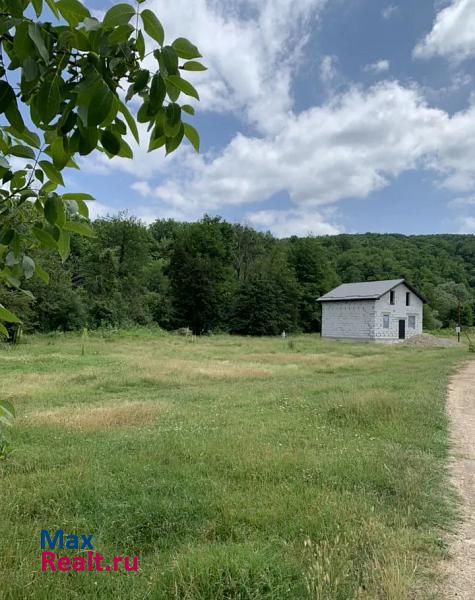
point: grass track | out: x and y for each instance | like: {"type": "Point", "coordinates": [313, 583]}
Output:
{"type": "Point", "coordinates": [234, 468]}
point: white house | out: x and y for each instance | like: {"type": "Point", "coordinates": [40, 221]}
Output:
{"type": "Point", "coordinates": [378, 311]}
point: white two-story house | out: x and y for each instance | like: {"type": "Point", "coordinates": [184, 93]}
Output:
{"type": "Point", "coordinates": [377, 311]}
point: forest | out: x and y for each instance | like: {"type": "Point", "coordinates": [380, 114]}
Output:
{"type": "Point", "coordinates": [214, 276]}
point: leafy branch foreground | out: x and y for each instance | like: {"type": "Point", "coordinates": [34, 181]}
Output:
{"type": "Point", "coordinates": [62, 95]}
{"type": "Point", "coordinates": [64, 89]}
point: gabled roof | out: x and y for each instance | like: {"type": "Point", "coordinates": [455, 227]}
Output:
{"type": "Point", "coordinates": [365, 290]}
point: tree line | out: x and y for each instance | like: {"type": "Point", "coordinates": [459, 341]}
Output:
{"type": "Point", "coordinates": [214, 276]}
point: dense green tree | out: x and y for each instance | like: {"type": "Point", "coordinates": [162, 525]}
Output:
{"type": "Point", "coordinates": [314, 276]}
{"type": "Point", "coordinates": [200, 274]}
{"type": "Point", "coordinates": [58, 304]}
{"type": "Point", "coordinates": [112, 269]}
{"type": "Point", "coordinates": [267, 301]}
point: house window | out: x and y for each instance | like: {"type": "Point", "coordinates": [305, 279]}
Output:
{"type": "Point", "coordinates": [411, 321]}
{"type": "Point", "coordinates": [385, 321]}
{"type": "Point", "coordinates": [392, 297]}
{"type": "Point", "coordinates": [408, 299]}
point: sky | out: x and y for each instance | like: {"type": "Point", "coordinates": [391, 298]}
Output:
{"type": "Point", "coordinates": [317, 117]}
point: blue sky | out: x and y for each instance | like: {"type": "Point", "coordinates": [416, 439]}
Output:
{"type": "Point", "coordinates": [317, 117]}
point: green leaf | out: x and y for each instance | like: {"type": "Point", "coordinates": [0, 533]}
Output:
{"type": "Point", "coordinates": [99, 105]}
{"type": "Point", "coordinates": [192, 65]}
{"type": "Point", "coordinates": [83, 229]}
{"type": "Point", "coordinates": [172, 91]}
{"type": "Point", "coordinates": [51, 209]}
{"type": "Point", "coordinates": [185, 49]}
{"type": "Point", "coordinates": [88, 139]}
{"type": "Point", "coordinates": [7, 96]}
{"type": "Point", "coordinates": [183, 85]}
{"type": "Point", "coordinates": [14, 116]}
{"type": "Point", "coordinates": [192, 135]}
{"type": "Point", "coordinates": [110, 142]}
{"type": "Point", "coordinates": [156, 142]}
{"type": "Point", "coordinates": [51, 172]}
{"type": "Point", "coordinates": [35, 33]}
{"type": "Point", "coordinates": [4, 163]}
{"type": "Point", "coordinates": [73, 11]}
{"type": "Point", "coordinates": [30, 69]}
{"type": "Point", "coordinates": [42, 274]}
{"type": "Point", "coordinates": [130, 121]}
{"type": "Point", "coordinates": [188, 109]}
{"type": "Point", "coordinates": [172, 120]}
{"type": "Point", "coordinates": [77, 196]}
{"type": "Point", "coordinates": [120, 34]}
{"type": "Point", "coordinates": [7, 316]}
{"type": "Point", "coordinates": [152, 26]}
{"type": "Point", "coordinates": [27, 136]}
{"type": "Point", "coordinates": [58, 153]}
{"type": "Point", "coordinates": [38, 6]}
{"type": "Point", "coordinates": [83, 208]}
{"type": "Point", "coordinates": [125, 150]}
{"type": "Point", "coordinates": [141, 79]}
{"type": "Point", "coordinates": [15, 7]}
{"type": "Point", "coordinates": [22, 151]}
{"type": "Point", "coordinates": [173, 143]}
{"type": "Point", "coordinates": [22, 43]}
{"type": "Point", "coordinates": [158, 92]}
{"type": "Point", "coordinates": [140, 45]}
{"type": "Point", "coordinates": [46, 239]}
{"type": "Point", "coordinates": [48, 100]}
{"type": "Point", "coordinates": [3, 330]}
{"type": "Point", "coordinates": [120, 14]}
{"type": "Point", "coordinates": [170, 59]}
{"type": "Point", "coordinates": [64, 244]}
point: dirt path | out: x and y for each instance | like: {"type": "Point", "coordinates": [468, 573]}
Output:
{"type": "Point", "coordinates": [460, 582]}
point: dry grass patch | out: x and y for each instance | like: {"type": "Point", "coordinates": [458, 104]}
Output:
{"type": "Point", "coordinates": [323, 361]}
{"type": "Point", "coordinates": [30, 385]}
{"type": "Point", "coordinates": [127, 414]}
{"type": "Point", "coordinates": [159, 369]}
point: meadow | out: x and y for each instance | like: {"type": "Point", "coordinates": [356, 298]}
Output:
{"type": "Point", "coordinates": [234, 468]}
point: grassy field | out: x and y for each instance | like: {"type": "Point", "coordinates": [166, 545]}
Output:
{"type": "Point", "coordinates": [234, 468]}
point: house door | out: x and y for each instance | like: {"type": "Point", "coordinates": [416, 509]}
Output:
{"type": "Point", "coordinates": [402, 329]}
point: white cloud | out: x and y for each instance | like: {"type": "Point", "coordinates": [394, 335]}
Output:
{"type": "Point", "coordinates": [347, 148]}
{"type": "Point", "coordinates": [285, 223]}
{"type": "Point", "coordinates": [252, 49]}
{"type": "Point", "coordinates": [380, 66]}
{"type": "Point", "coordinates": [97, 210]}
{"type": "Point", "coordinates": [351, 146]}
{"type": "Point", "coordinates": [328, 68]}
{"type": "Point", "coordinates": [462, 202]}
{"type": "Point", "coordinates": [467, 225]}
{"type": "Point", "coordinates": [453, 33]}
{"type": "Point", "coordinates": [389, 11]}
{"type": "Point", "coordinates": [454, 156]}
{"type": "Point", "coordinates": [142, 187]}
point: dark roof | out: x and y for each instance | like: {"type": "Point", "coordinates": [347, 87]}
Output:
{"type": "Point", "coordinates": [365, 290]}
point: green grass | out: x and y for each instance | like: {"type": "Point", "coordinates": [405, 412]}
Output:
{"type": "Point", "coordinates": [235, 468]}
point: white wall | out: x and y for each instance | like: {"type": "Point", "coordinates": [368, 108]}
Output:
{"type": "Point", "coordinates": [396, 312]}
{"type": "Point", "coordinates": [348, 319]}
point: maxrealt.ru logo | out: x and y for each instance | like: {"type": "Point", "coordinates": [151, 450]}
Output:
{"type": "Point", "coordinates": [89, 560]}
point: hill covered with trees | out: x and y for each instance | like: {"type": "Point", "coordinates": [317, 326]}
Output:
{"type": "Point", "coordinates": [216, 276]}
